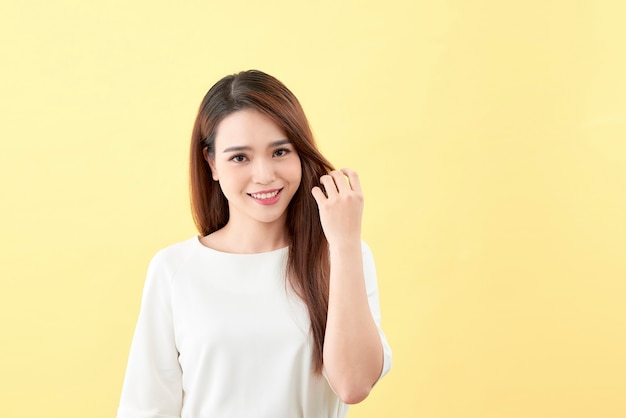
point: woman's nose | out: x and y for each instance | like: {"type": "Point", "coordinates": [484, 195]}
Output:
{"type": "Point", "coordinates": [263, 172]}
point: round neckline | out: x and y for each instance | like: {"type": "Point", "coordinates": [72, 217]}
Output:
{"type": "Point", "coordinates": [278, 250]}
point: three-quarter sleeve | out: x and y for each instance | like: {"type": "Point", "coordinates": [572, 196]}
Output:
{"type": "Point", "coordinates": [371, 285]}
{"type": "Point", "coordinates": [153, 382]}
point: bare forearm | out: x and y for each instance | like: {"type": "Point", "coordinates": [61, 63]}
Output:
{"type": "Point", "coordinates": [352, 348]}
{"type": "Point", "coordinates": [353, 353]}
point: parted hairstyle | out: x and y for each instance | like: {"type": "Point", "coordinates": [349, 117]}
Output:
{"type": "Point", "coordinates": [308, 267]}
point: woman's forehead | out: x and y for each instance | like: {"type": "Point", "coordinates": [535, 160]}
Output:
{"type": "Point", "coordinates": [248, 128]}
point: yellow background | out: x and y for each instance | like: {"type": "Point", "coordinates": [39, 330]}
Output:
{"type": "Point", "coordinates": [489, 136]}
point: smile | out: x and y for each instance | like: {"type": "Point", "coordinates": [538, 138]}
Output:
{"type": "Point", "coordinates": [265, 195]}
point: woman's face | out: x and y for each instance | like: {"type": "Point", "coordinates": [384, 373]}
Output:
{"type": "Point", "coordinates": [257, 167]}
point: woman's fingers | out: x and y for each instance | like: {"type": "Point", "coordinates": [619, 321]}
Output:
{"type": "Point", "coordinates": [340, 204]}
{"type": "Point", "coordinates": [328, 181]}
{"type": "Point", "coordinates": [340, 181]}
{"type": "Point", "coordinates": [336, 182]}
{"type": "Point", "coordinates": [353, 178]}
{"type": "Point", "coordinates": [318, 195]}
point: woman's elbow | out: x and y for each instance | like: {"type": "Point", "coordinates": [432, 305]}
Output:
{"type": "Point", "coordinates": [353, 394]}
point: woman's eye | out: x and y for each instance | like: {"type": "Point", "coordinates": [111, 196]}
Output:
{"type": "Point", "coordinates": [238, 158]}
{"type": "Point", "coordinates": [281, 152]}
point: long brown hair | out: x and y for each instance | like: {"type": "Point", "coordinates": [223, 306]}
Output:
{"type": "Point", "coordinates": [307, 264]}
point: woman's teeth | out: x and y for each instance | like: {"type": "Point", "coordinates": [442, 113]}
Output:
{"type": "Point", "coordinates": [264, 195]}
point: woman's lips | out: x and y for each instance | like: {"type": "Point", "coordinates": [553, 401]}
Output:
{"type": "Point", "coordinates": [266, 197]}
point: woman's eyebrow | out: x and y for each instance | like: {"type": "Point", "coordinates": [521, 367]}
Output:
{"type": "Point", "coordinates": [279, 143]}
{"type": "Point", "coordinates": [247, 148]}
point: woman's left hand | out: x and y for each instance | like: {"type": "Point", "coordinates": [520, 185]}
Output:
{"type": "Point", "coordinates": [341, 207]}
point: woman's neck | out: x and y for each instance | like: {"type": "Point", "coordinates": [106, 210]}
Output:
{"type": "Point", "coordinates": [248, 237]}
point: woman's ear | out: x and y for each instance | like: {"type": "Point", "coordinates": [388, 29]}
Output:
{"type": "Point", "coordinates": [211, 162]}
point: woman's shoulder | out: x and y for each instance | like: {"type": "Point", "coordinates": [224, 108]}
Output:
{"type": "Point", "coordinates": [178, 248]}
{"type": "Point", "coordinates": [175, 254]}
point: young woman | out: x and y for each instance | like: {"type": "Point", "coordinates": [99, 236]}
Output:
{"type": "Point", "coordinates": [273, 310]}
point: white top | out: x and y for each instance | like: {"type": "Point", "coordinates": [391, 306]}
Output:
{"type": "Point", "coordinates": [222, 335]}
